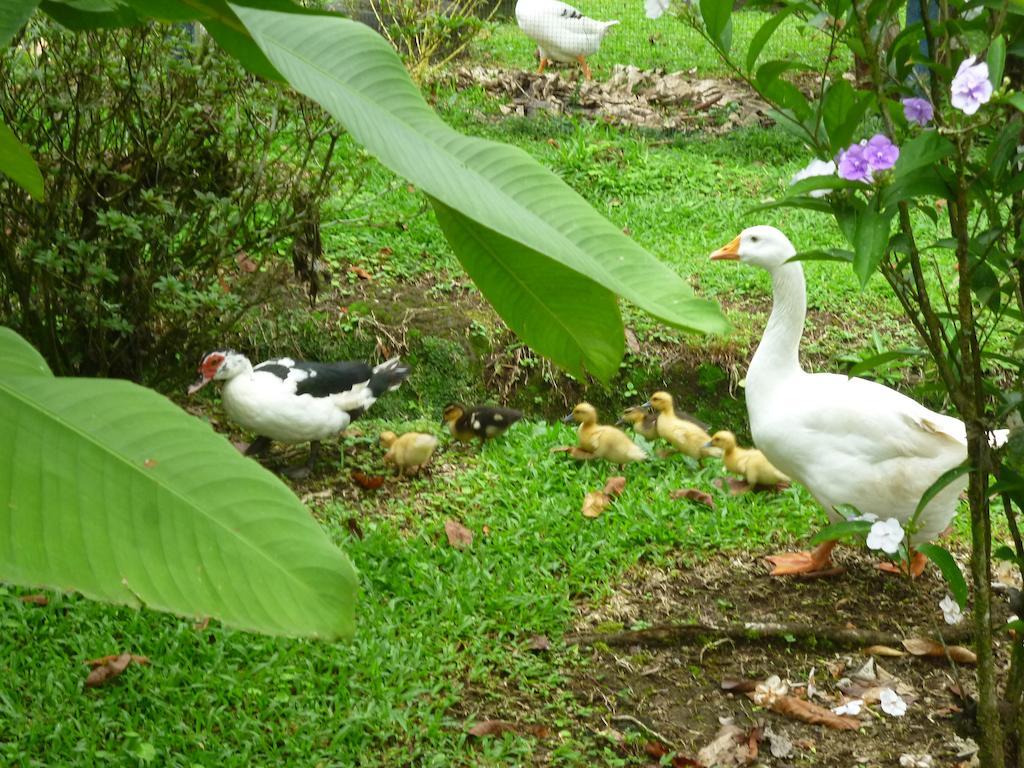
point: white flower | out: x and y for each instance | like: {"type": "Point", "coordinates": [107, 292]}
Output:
{"type": "Point", "coordinates": [971, 87]}
{"type": "Point", "coordinates": [767, 692]}
{"type": "Point", "coordinates": [1012, 618]}
{"type": "Point", "coordinates": [951, 610]}
{"type": "Point", "coordinates": [814, 168]}
{"type": "Point", "coordinates": [892, 703]}
{"type": "Point", "coordinates": [851, 707]}
{"type": "Point", "coordinates": [655, 8]}
{"type": "Point", "coordinates": [886, 536]}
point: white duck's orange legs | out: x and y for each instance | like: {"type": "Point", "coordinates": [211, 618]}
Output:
{"type": "Point", "coordinates": [584, 66]}
{"type": "Point", "coordinates": [917, 564]}
{"type": "Point", "coordinates": [543, 64]}
{"type": "Point", "coordinates": [789, 563]}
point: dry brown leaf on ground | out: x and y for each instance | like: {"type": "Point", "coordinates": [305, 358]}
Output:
{"type": "Point", "coordinates": [694, 494]}
{"type": "Point", "coordinates": [730, 747]}
{"type": "Point", "coordinates": [920, 646]}
{"type": "Point", "coordinates": [539, 643]}
{"type": "Point", "coordinates": [35, 599]}
{"type": "Point", "coordinates": [245, 263]}
{"type": "Point", "coordinates": [594, 503]}
{"type": "Point", "coordinates": [107, 668]}
{"type": "Point", "coordinates": [615, 485]}
{"type": "Point", "coordinates": [459, 536]}
{"type": "Point", "coordinates": [369, 482]}
{"type": "Point", "coordinates": [659, 750]}
{"type": "Point", "coordinates": [882, 650]}
{"type": "Point", "coordinates": [498, 727]}
{"type": "Point", "coordinates": [361, 273]}
{"type": "Point", "coordinates": [809, 712]}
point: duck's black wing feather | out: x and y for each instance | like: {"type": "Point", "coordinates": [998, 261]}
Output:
{"type": "Point", "coordinates": [320, 379]}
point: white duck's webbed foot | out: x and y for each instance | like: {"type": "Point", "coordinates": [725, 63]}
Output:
{"type": "Point", "coordinates": [792, 563]}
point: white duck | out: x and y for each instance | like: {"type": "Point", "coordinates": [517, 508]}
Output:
{"type": "Point", "coordinates": [294, 401]}
{"type": "Point", "coordinates": [848, 440]}
{"type": "Point", "coordinates": [561, 32]}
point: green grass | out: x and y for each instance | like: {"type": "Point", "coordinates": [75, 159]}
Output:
{"type": "Point", "coordinates": [441, 637]}
{"type": "Point", "coordinates": [667, 43]}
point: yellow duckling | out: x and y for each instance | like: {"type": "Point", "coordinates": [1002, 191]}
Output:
{"type": "Point", "coordinates": [749, 463]}
{"type": "Point", "coordinates": [410, 452]}
{"type": "Point", "coordinates": [602, 441]}
{"type": "Point", "coordinates": [683, 435]}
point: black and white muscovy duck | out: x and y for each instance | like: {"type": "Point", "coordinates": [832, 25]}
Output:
{"type": "Point", "coordinates": [294, 401]}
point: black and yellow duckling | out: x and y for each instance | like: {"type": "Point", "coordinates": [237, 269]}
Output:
{"type": "Point", "coordinates": [685, 436]}
{"type": "Point", "coordinates": [482, 422]}
{"type": "Point", "coordinates": [644, 420]}
{"type": "Point", "coordinates": [601, 441]}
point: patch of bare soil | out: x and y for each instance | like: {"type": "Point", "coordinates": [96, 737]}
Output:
{"type": "Point", "coordinates": [643, 98]}
{"type": "Point", "coordinates": [672, 692]}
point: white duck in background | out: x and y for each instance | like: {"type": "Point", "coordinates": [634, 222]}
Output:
{"type": "Point", "coordinates": [848, 440]}
{"type": "Point", "coordinates": [561, 32]}
{"type": "Point", "coordinates": [294, 401]}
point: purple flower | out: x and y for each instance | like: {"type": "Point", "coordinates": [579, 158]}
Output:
{"type": "Point", "coordinates": [918, 110]}
{"type": "Point", "coordinates": [971, 86]}
{"type": "Point", "coordinates": [853, 164]}
{"type": "Point", "coordinates": [881, 153]}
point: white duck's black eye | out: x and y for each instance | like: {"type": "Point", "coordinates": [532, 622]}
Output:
{"type": "Point", "coordinates": [753, 238]}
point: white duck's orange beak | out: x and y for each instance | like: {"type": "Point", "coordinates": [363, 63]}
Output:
{"type": "Point", "coordinates": [730, 252]}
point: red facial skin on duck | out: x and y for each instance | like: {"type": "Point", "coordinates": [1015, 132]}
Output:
{"type": "Point", "coordinates": [207, 370]}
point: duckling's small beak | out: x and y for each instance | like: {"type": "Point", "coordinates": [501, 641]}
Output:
{"type": "Point", "coordinates": [709, 444]}
{"type": "Point", "coordinates": [620, 422]}
{"type": "Point", "coordinates": [568, 418]}
{"type": "Point", "coordinates": [646, 405]}
{"type": "Point", "coordinates": [730, 252]}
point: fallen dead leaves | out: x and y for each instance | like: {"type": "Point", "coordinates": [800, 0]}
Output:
{"type": "Point", "coordinates": [459, 536]}
{"type": "Point", "coordinates": [106, 668]}
{"type": "Point", "coordinates": [35, 599]}
{"type": "Point", "coordinates": [694, 494]}
{"type": "Point", "coordinates": [922, 646]}
{"type": "Point", "coordinates": [594, 502]}
{"type": "Point", "coordinates": [648, 98]}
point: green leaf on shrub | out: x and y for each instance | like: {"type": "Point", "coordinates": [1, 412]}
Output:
{"type": "Point", "coordinates": [844, 529]}
{"type": "Point", "coordinates": [950, 570]}
{"type": "Point", "coordinates": [13, 15]}
{"type": "Point", "coordinates": [1016, 99]}
{"type": "Point", "coordinates": [936, 487]}
{"type": "Point", "coordinates": [870, 239]}
{"type": "Point", "coordinates": [764, 34]}
{"type": "Point", "coordinates": [358, 78]}
{"type": "Point", "coordinates": [885, 357]}
{"type": "Point", "coordinates": [717, 15]}
{"type": "Point", "coordinates": [17, 164]}
{"type": "Point", "coordinates": [824, 254]}
{"type": "Point", "coordinates": [84, 15]}
{"type": "Point", "coordinates": [111, 490]}
{"type": "Point", "coordinates": [842, 108]}
{"type": "Point", "coordinates": [559, 313]}
{"type": "Point", "coordinates": [19, 358]}
{"type": "Point", "coordinates": [927, 148]}
{"type": "Point", "coordinates": [996, 61]}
